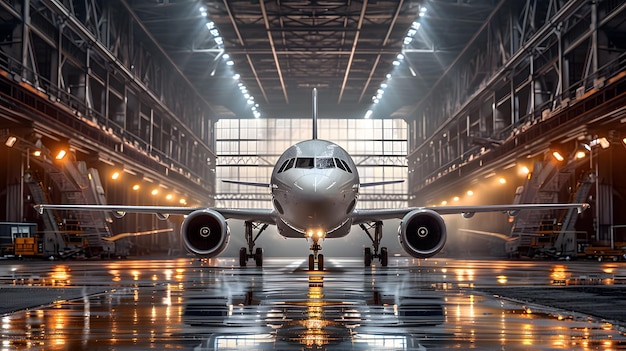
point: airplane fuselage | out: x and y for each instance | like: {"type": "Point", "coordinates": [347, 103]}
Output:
{"type": "Point", "coordinates": [315, 186]}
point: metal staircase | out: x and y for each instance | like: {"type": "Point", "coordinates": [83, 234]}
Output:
{"type": "Point", "coordinates": [42, 197]}
{"type": "Point", "coordinates": [582, 192]}
{"type": "Point", "coordinates": [538, 188]}
{"type": "Point", "coordinates": [542, 186]}
{"type": "Point", "coordinates": [77, 185]}
{"type": "Point", "coordinates": [94, 224]}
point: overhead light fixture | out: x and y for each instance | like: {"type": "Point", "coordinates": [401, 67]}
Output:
{"type": "Point", "coordinates": [61, 154]}
{"type": "Point", "coordinates": [155, 192]}
{"type": "Point", "coordinates": [136, 187]}
{"type": "Point", "coordinates": [557, 155]}
{"type": "Point", "coordinates": [624, 141]}
{"type": "Point", "coordinates": [368, 114]}
{"type": "Point", "coordinates": [11, 140]}
{"type": "Point", "coordinates": [115, 175]}
{"type": "Point", "coordinates": [604, 143]}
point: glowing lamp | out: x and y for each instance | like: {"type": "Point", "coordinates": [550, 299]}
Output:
{"type": "Point", "coordinates": [61, 154]}
{"type": "Point", "coordinates": [558, 156]}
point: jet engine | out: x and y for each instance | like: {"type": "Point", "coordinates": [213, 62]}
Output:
{"type": "Point", "coordinates": [422, 233]}
{"type": "Point", "coordinates": [205, 233]}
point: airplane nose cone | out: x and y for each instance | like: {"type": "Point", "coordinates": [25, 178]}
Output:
{"type": "Point", "coordinates": [315, 185]}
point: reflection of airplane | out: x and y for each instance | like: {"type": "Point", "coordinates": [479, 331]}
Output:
{"type": "Point", "coordinates": [314, 187]}
{"type": "Point", "coordinates": [317, 317]}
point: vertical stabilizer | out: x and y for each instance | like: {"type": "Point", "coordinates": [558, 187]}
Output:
{"type": "Point", "coordinates": [314, 113]}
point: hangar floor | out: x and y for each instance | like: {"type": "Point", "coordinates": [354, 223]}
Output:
{"type": "Point", "coordinates": [429, 304]}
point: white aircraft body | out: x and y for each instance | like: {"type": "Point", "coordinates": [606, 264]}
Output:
{"type": "Point", "coordinates": [315, 188]}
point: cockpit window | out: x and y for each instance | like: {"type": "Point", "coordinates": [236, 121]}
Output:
{"type": "Point", "coordinates": [290, 164]}
{"type": "Point", "coordinates": [310, 162]}
{"type": "Point", "coordinates": [304, 162]}
{"type": "Point", "coordinates": [283, 166]}
{"type": "Point", "coordinates": [324, 163]}
{"type": "Point", "coordinates": [345, 164]}
{"type": "Point", "coordinates": [340, 165]}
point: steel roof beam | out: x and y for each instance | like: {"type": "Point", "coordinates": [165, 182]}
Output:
{"type": "Point", "coordinates": [354, 44]}
{"type": "Point", "coordinates": [273, 47]}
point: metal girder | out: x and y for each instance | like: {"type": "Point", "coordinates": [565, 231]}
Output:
{"type": "Point", "coordinates": [530, 61]}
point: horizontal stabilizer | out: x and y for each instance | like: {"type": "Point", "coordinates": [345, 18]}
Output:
{"type": "Point", "coordinates": [363, 185]}
{"type": "Point", "coordinates": [261, 185]}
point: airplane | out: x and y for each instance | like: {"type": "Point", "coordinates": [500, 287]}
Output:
{"type": "Point", "coordinates": [314, 189]}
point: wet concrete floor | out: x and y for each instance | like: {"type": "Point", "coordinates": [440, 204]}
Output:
{"type": "Point", "coordinates": [433, 304]}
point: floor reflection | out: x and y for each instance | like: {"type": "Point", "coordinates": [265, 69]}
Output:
{"type": "Point", "coordinates": [213, 305]}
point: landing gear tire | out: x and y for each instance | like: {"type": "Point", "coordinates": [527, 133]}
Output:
{"type": "Point", "coordinates": [367, 257]}
{"type": "Point", "coordinates": [258, 257]}
{"type": "Point", "coordinates": [311, 262]}
{"type": "Point", "coordinates": [243, 257]}
{"type": "Point", "coordinates": [320, 262]}
{"type": "Point", "coordinates": [257, 254]}
{"type": "Point", "coordinates": [384, 256]}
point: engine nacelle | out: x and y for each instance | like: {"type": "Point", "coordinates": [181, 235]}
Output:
{"type": "Point", "coordinates": [422, 233]}
{"type": "Point", "coordinates": [205, 233]}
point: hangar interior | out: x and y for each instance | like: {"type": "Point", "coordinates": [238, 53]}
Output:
{"type": "Point", "coordinates": [151, 103]}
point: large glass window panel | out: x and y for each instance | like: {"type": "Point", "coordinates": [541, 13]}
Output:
{"type": "Point", "coordinates": [378, 146]}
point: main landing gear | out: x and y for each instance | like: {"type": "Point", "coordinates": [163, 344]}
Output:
{"type": "Point", "coordinates": [251, 252]}
{"type": "Point", "coordinates": [368, 255]}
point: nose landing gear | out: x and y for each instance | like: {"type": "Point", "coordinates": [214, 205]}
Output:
{"type": "Point", "coordinates": [315, 257]}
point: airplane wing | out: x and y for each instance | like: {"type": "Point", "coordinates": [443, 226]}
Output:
{"type": "Point", "coordinates": [364, 185]}
{"type": "Point", "coordinates": [255, 215]}
{"type": "Point", "coordinates": [367, 215]}
{"type": "Point", "coordinates": [261, 185]}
